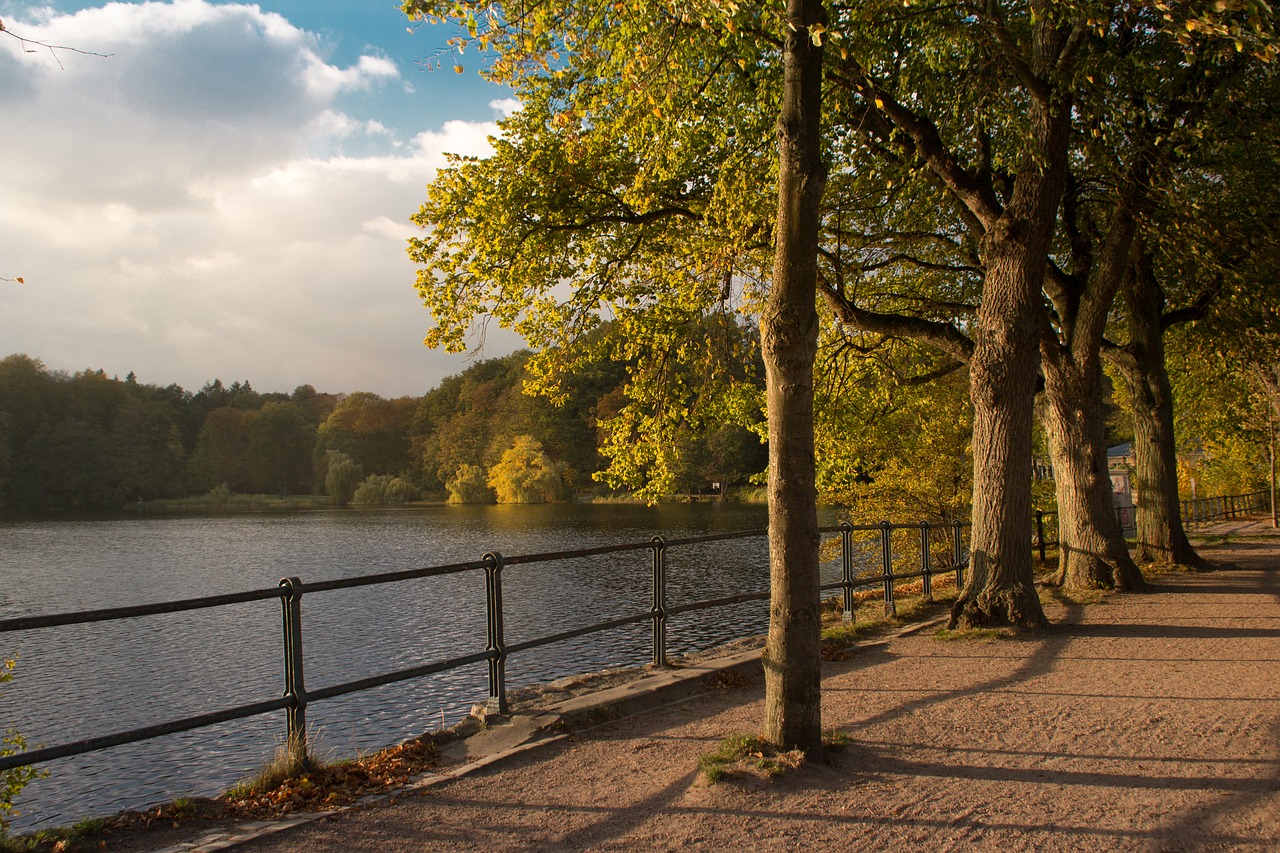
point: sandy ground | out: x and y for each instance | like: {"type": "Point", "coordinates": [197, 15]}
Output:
{"type": "Point", "coordinates": [1142, 722]}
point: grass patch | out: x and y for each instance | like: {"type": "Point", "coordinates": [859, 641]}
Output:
{"type": "Point", "coordinates": [869, 618]}
{"type": "Point", "coordinates": [603, 714]}
{"type": "Point", "coordinates": [982, 635]}
{"type": "Point", "coordinates": [315, 786]}
{"type": "Point", "coordinates": [728, 680]}
{"type": "Point", "coordinates": [747, 752]}
{"type": "Point", "coordinates": [271, 793]}
{"type": "Point", "coordinates": [293, 759]}
{"type": "Point", "coordinates": [835, 739]}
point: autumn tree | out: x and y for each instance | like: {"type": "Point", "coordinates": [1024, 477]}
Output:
{"type": "Point", "coordinates": [1201, 261]}
{"type": "Point", "coordinates": [469, 485]}
{"type": "Point", "coordinates": [383, 490]}
{"type": "Point", "coordinates": [614, 221]}
{"type": "Point", "coordinates": [526, 475]}
{"type": "Point", "coordinates": [894, 436]}
{"type": "Point", "coordinates": [370, 429]}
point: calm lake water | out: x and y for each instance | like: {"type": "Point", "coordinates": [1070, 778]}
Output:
{"type": "Point", "coordinates": [84, 680]}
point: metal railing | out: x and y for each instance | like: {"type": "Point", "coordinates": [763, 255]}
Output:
{"type": "Point", "coordinates": [1197, 511]}
{"type": "Point", "coordinates": [296, 696]}
{"type": "Point", "coordinates": [1204, 510]}
{"type": "Point", "coordinates": [1045, 534]}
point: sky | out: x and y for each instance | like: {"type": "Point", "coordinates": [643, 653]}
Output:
{"type": "Point", "coordinates": [226, 192]}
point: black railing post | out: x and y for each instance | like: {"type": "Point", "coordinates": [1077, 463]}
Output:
{"type": "Point", "coordinates": [959, 558]}
{"type": "Point", "coordinates": [926, 577]}
{"type": "Point", "coordinates": [659, 601]}
{"type": "Point", "coordinates": [497, 647]}
{"type": "Point", "coordinates": [294, 685]}
{"type": "Point", "coordinates": [886, 553]}
{"type": "Point", "coordinates": [846, 570]}
{"type": "Point", "coordinates": [1040, 533]}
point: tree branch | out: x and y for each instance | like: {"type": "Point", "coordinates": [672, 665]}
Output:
{"type": "Point", "coordinates": [943, 336]}
{"type": "Point", "coordinates": [27, 46]}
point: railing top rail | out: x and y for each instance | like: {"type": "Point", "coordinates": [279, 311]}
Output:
{"type": "Point", "coordinates": [23, 623]}
{"type": "Point", "coordinates": [392, 577]}
{"type": "Point", "coordinates": [549, 556]}
{"type": "Point", "coordinates": [933, 525]}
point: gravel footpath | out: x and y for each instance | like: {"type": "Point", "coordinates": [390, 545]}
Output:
{"type": "Point", "coordinates": [1141, 722]}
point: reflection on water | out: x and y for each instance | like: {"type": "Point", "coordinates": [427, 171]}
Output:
{"type": "Point", "coordinates": [85, 680]}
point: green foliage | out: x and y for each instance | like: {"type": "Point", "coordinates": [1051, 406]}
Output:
{"type": "Point", "coordinates": [1222, 422]}
{"type": "Point", "coordinates": [383, 490]}
{"type": "Point", "coordinates": [222, 451]}
{"type": "Point", "coordinates": [469, 485]}
{"type": "Point", "coordinates": [526, 475]}
{"type": "Point", "coordinates": [342, 476]}
{"type": "Point", "coordinates": [280, 448]}
{"type": "Point", "coordinates": [12, 781]}
{"type": "Point", "coordinates": [889, 447]}
{"type": "Point", "coordinates": [612, 181]}
{"type": "Point", "coordinates": [84, 441]}
{"type": "Point", "coordinates": [371, 430]}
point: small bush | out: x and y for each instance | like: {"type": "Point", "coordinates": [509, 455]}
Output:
{"type": "Point", "coordinates": [12, 781]}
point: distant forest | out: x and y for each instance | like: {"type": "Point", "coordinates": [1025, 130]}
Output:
{"type": "Point", "coordinates": [87, 440]}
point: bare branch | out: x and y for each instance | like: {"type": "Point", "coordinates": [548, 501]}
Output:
{"type": "Point", "coordinates": [31, 45]}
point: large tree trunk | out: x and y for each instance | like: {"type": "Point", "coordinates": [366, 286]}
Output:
{"type": "Point", "coordinates": [789, 337]}
{"type": "Point", "coordinates": [1092, 552]}
{"type": "Point", "coordinates": [1161, 536]}
{"type": "Point", "coordinates": [999, 587]}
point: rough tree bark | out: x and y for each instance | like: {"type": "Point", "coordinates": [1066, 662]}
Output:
{"type": "Point", "coordinates": [789, 337]}
{"type": "Point", "coordinates": [1161, 536]}
{"type": "Point", "coordinates": [1092, 552]}
{"type": "Point", "coordinates": [1000, 588]}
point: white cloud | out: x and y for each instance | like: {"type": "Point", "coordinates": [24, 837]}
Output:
{"type": "Point", "coordinates": [507, 106]}
{"type": "Point", "coordinates": [180, 209]}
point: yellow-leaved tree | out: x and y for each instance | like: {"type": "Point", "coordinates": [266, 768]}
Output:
{"type": "Point", "coordinates": [526, 475]}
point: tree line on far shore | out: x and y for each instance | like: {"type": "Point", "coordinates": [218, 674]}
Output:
{"type": "Point", "coordinates": [86, 440]}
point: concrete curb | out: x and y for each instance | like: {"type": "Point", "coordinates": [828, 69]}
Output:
{"type": "Point", "coordinates": [514, 736]}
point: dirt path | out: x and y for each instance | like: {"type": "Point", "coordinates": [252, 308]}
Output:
{"type": "Point", "coordinates": [1143, 722]}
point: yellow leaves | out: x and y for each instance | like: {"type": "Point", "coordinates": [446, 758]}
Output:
{"type": "Point", "coordinates": [458, 69]}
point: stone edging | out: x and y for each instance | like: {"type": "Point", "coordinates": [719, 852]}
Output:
{"type": "Point", "coordinates": [643, 695]}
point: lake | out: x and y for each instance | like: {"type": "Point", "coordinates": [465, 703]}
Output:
{"type": "Point", "coordinates": [80, 681]}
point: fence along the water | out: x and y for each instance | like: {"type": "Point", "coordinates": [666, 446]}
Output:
{"type": "Point", "coordinates": [290, 591]}
{"type": "Point", "coordinates": [1196, 511]}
